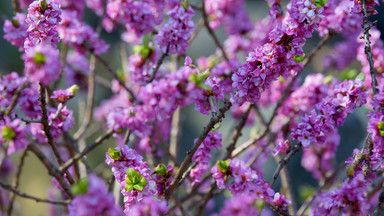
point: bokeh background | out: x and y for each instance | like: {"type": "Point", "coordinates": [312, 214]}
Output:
{"type": "Point", "coordinates": [35, 179]}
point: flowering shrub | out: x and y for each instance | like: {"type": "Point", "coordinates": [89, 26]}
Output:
{"type": "Point", "coordinates": [257, 68]}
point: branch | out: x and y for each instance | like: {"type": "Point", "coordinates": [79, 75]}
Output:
{"type": "Point", "coordinates": [114, 75]}
{"type": "Point", "coordinates": [158, 64]}
{"type": "Point", "coordinates": [90, 100]}
{"type": "Point", "coordinates": [367, 48]}
{"type": "Point", "coordinates": [212, 33]}
{"type": "Point", "coordinates": [17, 180]}
{"type": "Point", "coordinates": [47, 130]}
{"type": "Point", "coordinates": [15, 191]}
{"type": "Point", "coordinates": [184, 165]}
{"type": "Point", "coordinates": [15, 98]}
{"type": "Point", "coordinates": [16, 6]}
{"type": "Point", "coordinates": [284, 162]}
{"type": "Point", "coordinates": [78, 156]}
{"type": "Point", "coordinates": [52, 170]}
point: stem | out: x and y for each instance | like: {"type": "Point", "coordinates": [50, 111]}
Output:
{"type": "Point", "coordinates": [184, 165]}
{"type": "Point", "coordinates": [212, 33]}
{"type": "Point", "coordinates": [367, 48]}
{"type": "Point", "coordinates": [17, 181]}
{"type": "Point", "coordinates": [47, 131]}
{"type": "Point", "coordinates": [109, 69]}
{"type": "Point", "coordinates": [90, 100]}
{"type": "Point", "coordinates": [158, 64]}
{"type": "Point", "coordinates": [78, 156]}
{"type": "Point", "coordinates": [284, 162]}
{"type": "Point", "coordinates": [15, 98]}
{"type": "Point", "coordinates": [21, 194]}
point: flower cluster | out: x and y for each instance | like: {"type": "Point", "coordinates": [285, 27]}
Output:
{"type": "Point", "coordinates": [333, 110]}
{"type": "Point", "coordinates": [42, 19]}
{"type": "Point", "coordinates": [132, 174]}
{"type": "Point", "coordinates": [93, 199]}
{"type": "Point", "coordinates": [173, 37]}
{"type": "Point", "coordinates": [16, 30]}
{"type": "Point", "coordinates": [203, 154]}
{"type": "Point", "coordinates": [80, 35]}
{"type": "Point", "coordinates": [13, 135]}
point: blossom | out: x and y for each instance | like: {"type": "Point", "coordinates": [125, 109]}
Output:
{"type": "Point", "coordinates": [42, 64]}
{"type": "Point", "coordinates": [173, 37]}
{"type": "Point", "coordinates": [43, 18]}
{"type": "Point", "coordinates": [93, 200]}
{"type": "Point", "coordinates": [15, 30]}
{"type": "Point", "coordinates": [13, 135]}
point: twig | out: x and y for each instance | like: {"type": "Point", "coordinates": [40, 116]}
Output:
{"type": "Point", "coordinates": [367, 47]}
{"type": "Point", "coordinates": [78, 156]}
{"type": "Point", "coordinates": [47, 130]}
{"type": "Point", "coordinates": [16, 6]}
{"type": "Point", "coordinates": [157, 66]}
{"type": "Point", "coordinates": [90, 100]}
{"type": "Point", "coordinates": [17, 181]}
{"type": "Point", "coordinates": [52, 170]}
{"type": "Point", "coordinates": [200, 25]}
{"type": "Point", "coordinates": [175, 134]}
{"type": "Point", "coordinates": [184, 165]}
{"type": "Point", "coordinates": [127, 136]}
{"type": "Point", "coordinates": [57, 114]}
{"type": "Point", "coordinates": [237, 132]}
{"type": "Point", "coordinates": [114, 75]}
{"type": "Point", "coordinates": [284, 162]}
{"type": "Point", "coordinates": [15, 98]}
{"type": "Point", "coordinates": [164, 145]}
{"type": "Point", "coordinates": [212, 33]}
{"type": "Point", "coordinates": [21, 194]}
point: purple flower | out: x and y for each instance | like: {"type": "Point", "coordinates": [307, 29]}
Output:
{"type": "Point", "coordinates": [13, 135]}
{"type": "Point", "coordinates": [149, 206]}
{"type": "Point", "coordinates": [15, 30]}
{"type": "Point", "coordinates": [96, 201]}
{"type": "Point", "coordinates": [42, 64]}
{"type": "Point", "coordinates": [43, 18]}
{"type": "Point", "coordinates": [173, 37]}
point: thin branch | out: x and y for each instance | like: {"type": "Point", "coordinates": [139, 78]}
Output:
{"type": "Point", "coordinates": [17, 181]}
{"type": "Point", "coordinates": [78, 156]}
{"type": "Point", "coordinates": [47, 130]}
{"type": "Point", "coordinates": [175, 134]}
{"type": "Point", "coordinates": [184, 165]}
{"type": "Point", "coordinates": [90, 100]}
{"type": "Point", "coordinates": [200, 25]}
{"type": "Point", "coordinates": [157, 66]}
{"type": "Point", "coordinates": [284, 162]}
{"type": "Point", "coordinates": [15, 98]}
{"type": "Point", "coordinates": [16, 6]}
{"type": "Point", "coordinates": [52, 170]}
{"type": "Point", "coordinates": [57, 114]}
{"type": "Point", "coordinates": [367, 47]}
{"type": "Point", "coordinates": [212, 33]}
{"type": "Point", "coordinates": [114, 75]}
{"type": "Point", "coordinates": [21, 194]}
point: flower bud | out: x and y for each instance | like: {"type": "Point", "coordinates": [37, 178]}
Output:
{"type": "Point", "coordinates": [43, 6]}
{"type": "Point", "coordinates": [223, 166]}
{"type": "Point", "coordinates": [15, 23]}
{"type": "Point", "coordinates": [161, 170]}
{"type": "Point", "coordinates": [39, 58]}
{"type": "Point", "coordinates": [380, 126]}
{"type": "Point", "coordinates": [74, 89]}
{"type": "Point", "coordinates": [80, 187]}
{"type": "Point", "coordinates": [8, 133]}
{"type": "Point", "coordinates": [135, 181]}
{"type": "Point", "coordinates": [114, 153]}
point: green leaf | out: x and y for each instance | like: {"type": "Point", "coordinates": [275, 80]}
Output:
{"type": "Point", "coordinates": [43, 6]}
{"type": "Point", "coordinates": [298, 58]}
{"type": "Point", "coordinates": [216, 127]}
{"type": "Point", "coordinates": [320, 3]}
{"type": "Point", "coordinates": [80, 187]}
{"type": "Point", "coordinates": [223, 165]}
{"type": "Point", "coordinates": [146, 40]}
{"type": "Point", "coordinates": [348, 74]}
{"type": "Point", "coordinates": [39, 58]}
{"type": "Point", "coordinates": [184, 4]}
{"type": "Point", "coordinates": [8, 133]}
{"type": "Point", "coordinates": [350, 171]}
{"type": "Point", "coordinates": [15, 23]}
{"type": "Point", "coordinates": [114, 153]}
{"type": "Point", "coordinates": [161, 170]}
{"type": "Point", "coordinates": [74, 89]}
{"type": "Point", "coordinates": [128, 187]}
{"type": "Point", "coordinates": [360, 76]}
{"type": "Point", "coordinates": [305, 192]}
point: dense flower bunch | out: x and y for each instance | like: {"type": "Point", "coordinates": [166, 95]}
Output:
{"type": "Point", "coordinates": [255, 74]}
{"type": "Point", "coordinates": [173, 37]}
{"type": "Point", "coordinates": [93, 199]}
